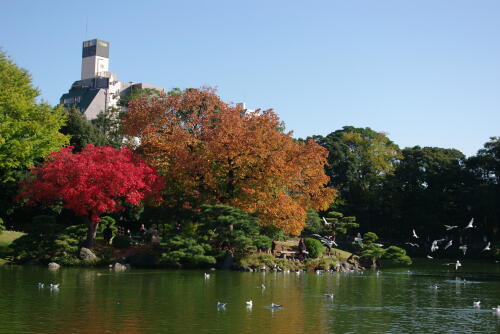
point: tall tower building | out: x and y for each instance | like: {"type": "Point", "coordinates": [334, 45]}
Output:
{"type": "Point", "coordinates": [98, 89]}
{"type": "Point", "coordinates": [95, 58]}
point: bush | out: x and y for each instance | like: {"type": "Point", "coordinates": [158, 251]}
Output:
{"type": "Point", "coordinates": [314, 247]}
{"type": "Point", "coordinates": [263, 242]}
{"type": "Point", "coordinates": [396, 255]}
{"type": "Point", "coordinates": [121, 242]}
{"type": "Point", "coordinates": [47, 241]}
{"type": "Point", "coordinates": [186, 252]}
{"type": "Point", "coordinates": [258, 260]}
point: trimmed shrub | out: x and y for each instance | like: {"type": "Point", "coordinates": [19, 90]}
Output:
{"type": "Point", "coordinates": [186, 252]}
{"type": "Point", "coordinates": [314, 247]}
{"type": "Point", "coordinates": [263, 242]}
{"type": "Point", "coordinates": [396, 255]}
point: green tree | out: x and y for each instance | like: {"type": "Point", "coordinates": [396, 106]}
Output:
{"type": "Point", "coordinates": [337, 223]}
{"type": "Point", "coordinates": [426, 191]}
{"type": "Point", "coordinates": [186, 252]}
{"type": "Point", "coordinates": [483, 187]}
{"type": "Point", "coordinates": [359, 160]}
{"type": "Point", "coordinates": [81, 131]}
{"type": "Point", "coordinates": [108, 125]}
{"type": "Point", "coordinates": [229, 229]}
{"type": "Point", "coordinates": [139, 92]}
{"type": "Point", "coordinates": [313, 223]}
{"type": "Point", "coordinates": [28, 130]}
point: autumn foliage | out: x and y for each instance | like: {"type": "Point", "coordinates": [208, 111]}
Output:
{"type": "Point", "coordinates": [212, 152]}
{"type": "Point", "coordinates": [97, 180]}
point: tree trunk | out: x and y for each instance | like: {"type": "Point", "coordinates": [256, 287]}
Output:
{"type": "Point", "coordinates": [91, 233]}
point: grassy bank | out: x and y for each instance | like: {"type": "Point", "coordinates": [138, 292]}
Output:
{"type": "Point", "coordinates": [6, 238]}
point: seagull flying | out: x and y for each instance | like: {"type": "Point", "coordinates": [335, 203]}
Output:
{"type": "Point", "coordinates": [249, 303]}
{"type": "Point", "coordinates": [470, 224]}
{"type": "Point", "coordinates": [448, 244]}
{"type": "Point", "coordinates": [220, 304]}
{"type": "Point", "coordinates": [463, 248]}
{"type": "Point", "coordinates": [262, 286]}
{"type": "Point", "coordinates": [496, 309]}
{"type": "Point", "coordinates": [329, 295]}
{"type": "Point", "coordinates": [487, 247]}
{"type": "Point", "coordinates": [434, 246]}
{"type": "Point", "coordinates": [359, 240]}
{"type": "Point", "coordinates": [54, 286]}
{"type": "Point", "coordinates": [415, 234]}
{"type": "Point", "coordinates": [40, 285]}
{"type": "Point", "coordinates": [324, 221]}
{"type": "Point", "coordinates": [449, 227]}
{"type": "Point", "coordinates": [457, 264]}
{"type": "Point", "coordinates": [429, 257]}
{"type": "Point", "coordinates": [207, 276]}
{"type": "Point", "coordinates": [477, 304]}
{"type": "Point", "coordinates": [412, 244]}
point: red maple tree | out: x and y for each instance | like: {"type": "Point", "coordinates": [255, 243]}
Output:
{"type": "Point", "coordinates": [95, 181]}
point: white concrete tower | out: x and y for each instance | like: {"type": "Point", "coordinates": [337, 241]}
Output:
{"type": "Point", "coordinates": [95, 58]}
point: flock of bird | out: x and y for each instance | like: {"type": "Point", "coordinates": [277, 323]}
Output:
{"type": "Point", "coordinates": [52, 287]}
{"type": "Point", "coordinates": [249, 303]}
{"type": "Point", "coordinates": [449, 242]}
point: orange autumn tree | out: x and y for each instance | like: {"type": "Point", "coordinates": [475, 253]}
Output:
{"type": "Point", "coordinates": [212, 152]}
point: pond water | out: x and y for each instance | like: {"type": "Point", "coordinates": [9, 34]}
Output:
{"type": "Point", "coordinates": [182, 301]}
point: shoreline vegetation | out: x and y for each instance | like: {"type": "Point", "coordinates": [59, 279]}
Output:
{"type": "Point", "coordinates": [183, 179]}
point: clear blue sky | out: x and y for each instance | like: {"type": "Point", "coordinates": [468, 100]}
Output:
{"type": "Point", "coordinates": [426, 72]}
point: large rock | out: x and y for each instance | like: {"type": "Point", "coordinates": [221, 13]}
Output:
{"type": "Point", "coordinates": [120, 267]}
{"type": "Point", "coordinates": [54, 266]}
{"type": "Point", "coordinates": [87, 255]}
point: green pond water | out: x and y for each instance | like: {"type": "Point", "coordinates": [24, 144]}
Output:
{"type": "Point", "coordinates": [182, 301]}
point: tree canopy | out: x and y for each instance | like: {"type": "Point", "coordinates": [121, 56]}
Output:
{"type": "Point", "coordinates": [214, 153]}
{"type": "Point", "coordinates": [28, 130]}
{"type": "Point", "coordinates": [95, 181]}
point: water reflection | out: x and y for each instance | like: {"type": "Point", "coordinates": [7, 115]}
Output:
{"type": "Point", "coordinates": [102, 301]}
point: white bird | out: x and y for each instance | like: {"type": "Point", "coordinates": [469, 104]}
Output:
{"type": "Point", "coordinates": [54, 286]}
{"type": "Point", "coordinates": [220, 304]}
{"type": "Point", "coordinates": [329, 295]}
{"type": "Point", "coordinates": [434, 246]}
{"type": "Point", "coordinates": [487, 248]}
{"type": "Point", "coordinates": [470, 224]}
{"type": "Point", "coordinates": [359, 240]}
{"type": "Point", "coordinates": [273, 305]}
{"type": "Point", "coordinates": [434, 286]}
{"type": "Point", "coordinates": [324, 221]}
{"type": "Point", "coordinates": [249, 303]}
{"type": "Point", "coordinates": [262, 286]}
{"type": "Point", "coordinates": [429, 257]}
{"type": "Point", "coordinates": [318, 272]}
{"type": "Point", "coordinates": [448, 244]}
{"type": "Point", "coordinates": [496, 309]}
{"type": "Point", "coordinates": [463, 248]}
{"type": "Point", "coordinates": [207, 276]}
{"type": "Point", "coordinates": [449, 227]}
{"type": "Point", "coordinates": [477, 304]}
{"type": "Point", "coordinates": [415, 234]}
{"type": "Point", "coordinates": [40, 285]}
{"type": "Point", "coordinates": [412, 244]}
{"type": "Point", "coordinates": [457, 265]}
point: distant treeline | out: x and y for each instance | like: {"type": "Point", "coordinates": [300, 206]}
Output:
{"type": "Point", "coordinates": [392, 191]}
